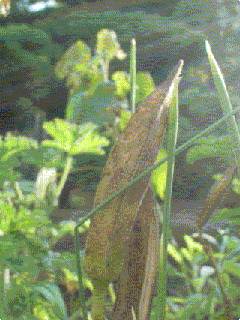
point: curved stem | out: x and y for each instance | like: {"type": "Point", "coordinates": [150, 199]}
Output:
{"type": "Point", "coordinates": [66, 171]}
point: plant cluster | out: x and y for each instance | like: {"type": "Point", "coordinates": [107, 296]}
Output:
{"type": "Point", "coordinates": [40, 282]}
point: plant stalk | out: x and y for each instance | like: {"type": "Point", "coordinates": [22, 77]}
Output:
{"type": "Point", "coordinates": [171, 148]}
{"type": "Point", "coordinates": [66, 171]}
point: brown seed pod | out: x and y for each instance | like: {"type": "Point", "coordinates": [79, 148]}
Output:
{"type": "Point", "coordinates": [136, 282]}
{"type": "Point", "coordinates": [136, 149]}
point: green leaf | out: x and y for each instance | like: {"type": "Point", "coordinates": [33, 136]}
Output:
{"type": "Point", "coordinates": [145, 86]}
{"type": "Point", "coordinates": [122, 83]}
{"type": "Point", "coordinates": [12, 148]}
{"type": "Point", "coordinates": [16, 144]}
{"type": "Point", "coordinates": [90, 143]}
{"type": "Point", "coordinates": [172, 251]}
{"type": "Point", "coordinates": [52, 294]}
{"type": "Point", "coordinates": [96, 107]}
{"type": "Point", "coordinates": [159, 175]}
{"type": "Point", "coordinates": [124, 118]}
{"type": "Point", "coordinates": [75, 58]}
{"type": "Point", "coordinates": [74, 139]}
{"type": "Point", "coordinates": [192, 245]}
{"type": "Point", "coordinates": [64, 133]}
{"type": "Point", "coordinates": [81, 71]}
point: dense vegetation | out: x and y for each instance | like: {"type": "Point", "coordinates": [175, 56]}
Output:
{"type": "Point", "coordinates": [65, 99]}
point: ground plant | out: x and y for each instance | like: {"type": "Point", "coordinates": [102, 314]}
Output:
{"type": "Point", "coordinates": [118, 135]}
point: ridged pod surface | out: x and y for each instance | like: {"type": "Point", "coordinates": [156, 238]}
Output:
{"type": "Point", "coordinates": [136, 149]}
{"type": "Point", "coordinates": [136, 282]}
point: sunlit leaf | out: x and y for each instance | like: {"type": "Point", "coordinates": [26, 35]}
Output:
{"type": "Point", "coordinates": [124, 119]}
{"type": "Point", "coordinates": [145, 85]}
{"type": "Point", "coordinates": [74, 139]}
{"type": "Point", "coordinates": [75, 58]}
{"type": "Point", "coordinates": [159, 176]}
{"type": "Point", "coordinates": [174, 253]}
{"type": "Point", "coordinates": [122, 83]}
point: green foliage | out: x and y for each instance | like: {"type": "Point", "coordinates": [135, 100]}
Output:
{"type": "Point", "coordinates": [122, 84]}
{"type": "Point", "coordinates": [124, 118]}
{"type": "Point", "coordinates": [75, 58]}
{"type": "Point", "coordinates": [211, 147]}
{"type": "Point", "coordinates": [229, 215]}
{"type": "Point", "coordinates": [98, 99]}
{"type": "Point", "coordinates": [108, 46]}
{"type": "Point", "coordinates": [77, 67]}
{"type": "Point", "coordinates": [28, 233]}
{"type": "Point", "coordinates": [32, 173]}
{"type": "Point", "coordinates": [159, 176]}
{"type": "Point", "coordinates": [74, 139]}
{"type": "Point", "coordinates": [52, 294]}
{"type": "Point", "coordinates": [26, 54]}
{"type": "Point", "coordinates": [193, 284]}
{"type": "Point", "coordinates": [12, 149]}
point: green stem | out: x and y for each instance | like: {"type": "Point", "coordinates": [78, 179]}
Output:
{"type": "Point", "coordinates": [105, 69]}
{"type": "Point", "coordinates": [171, 148]}
{"type": "Point", "coordinates": [66, 171]}
{"type": "Point", "coordinates": [133, 74]}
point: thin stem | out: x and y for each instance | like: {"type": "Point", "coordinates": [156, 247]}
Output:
{"type": "Point", "coordinates": [171, 148]}
{"type": "Point", "coordinates": [105, 69]}
{"type": "Point", "coordinates": [133, 74]}
{"type": "Point", "coordinates": [66, 171]}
